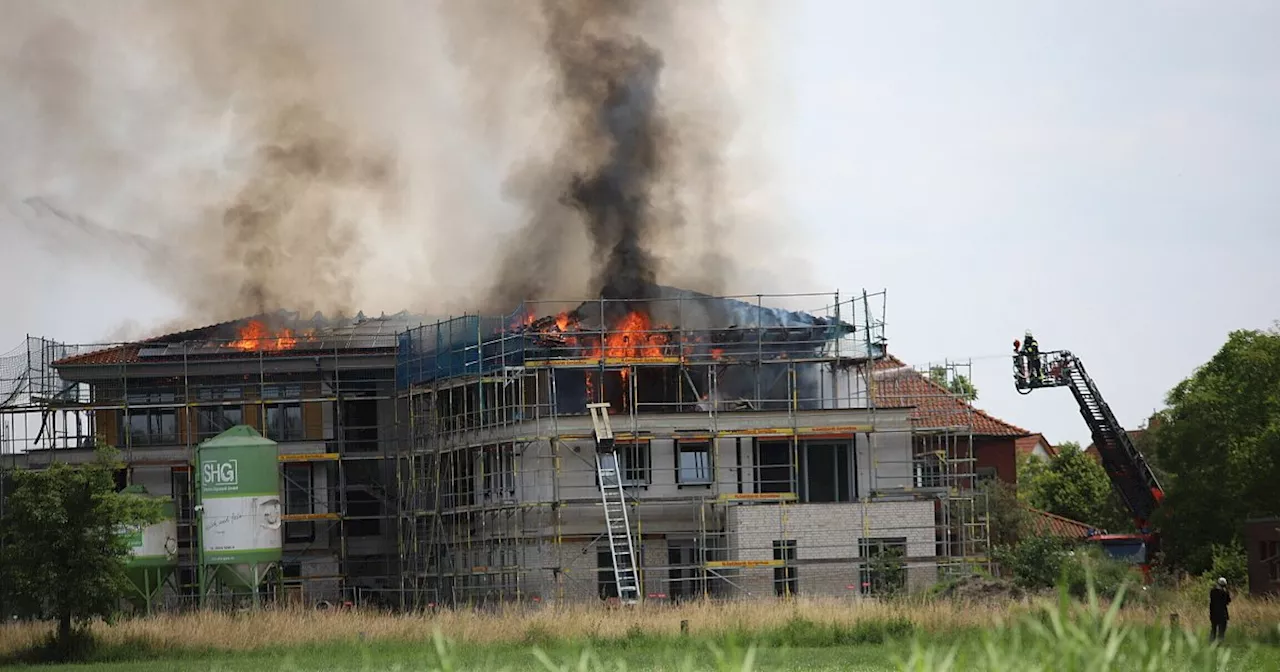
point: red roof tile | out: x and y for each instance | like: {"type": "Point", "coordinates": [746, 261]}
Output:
{"type": "Point", "coordinates": [1027, 444]}
{"type": "Point", "coordinates": [900, 386]}
{"type": "Point", "coordinates": [127, 353]}
{"type": "Point", "coordinates": [1045, 523]}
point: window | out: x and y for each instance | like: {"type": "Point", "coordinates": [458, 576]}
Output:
{"type": "Point", "coordinates": [180, 489]}
{"type": "Point", "coordinates": [359, 425]}
{"type": "Point", "coordinates": [499, 483]}
{"type": "Point", "coordinates": [283, 411]}
{"type": "Point", "coordinates": [693, 463]}
{"type": "Point", "coordinates": [986, 474]}
{"type": "Point", "coordinates": [155, 426]}
{"type": "Point", "coordinates": [773, 466]}
{"type": "Point", "coordinates": [121, 478]}
{"type": "Point", "coordinates": [606, 580]}
{"type": "Point", "coordinates": [1269, 553]}
{"type": "Point", "coordinates": [458, 469]}
{"type": "Point", "coordinates": [785, 581]}
{"type": "Point", "coordinates": [826, 472]}
{"type": "Point", "coordinates": [685, 578]}
{"type": "Point", "coordinates": [299, 499]}
{"type": "Point", "coordinates": [926, 463]}
{"type": "Point", "coordinates": [884, 569]}
{"type": "Point", "coordinates": [633, 461]}
{"type": "Point", "coordinates": [364, 514]}
{"type": "Point", "coordinates": [216, 418]}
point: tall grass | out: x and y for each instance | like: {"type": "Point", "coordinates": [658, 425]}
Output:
{"type": "Point", "coordinates": [1132, 627]}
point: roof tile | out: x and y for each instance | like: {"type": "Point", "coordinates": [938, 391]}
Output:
{"type": "Point", "coordinates": [900, 386]}
{"type": "Point", "coordinates": [1048, 524]}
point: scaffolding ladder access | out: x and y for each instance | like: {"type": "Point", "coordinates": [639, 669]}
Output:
{"type": "Point", "coordinates": [612, 496]}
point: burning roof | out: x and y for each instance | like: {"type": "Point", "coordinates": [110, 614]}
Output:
{"type": "Point", "coordinates": [280, 333]}
{"type": "Point", "coordinates": [669, 326]}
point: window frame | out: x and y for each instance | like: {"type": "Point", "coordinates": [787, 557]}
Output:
{"type": "Point", "coordinates": [694, 447]}
{"type": "Point", "coordinates": [279, 401]}
{"type": "Point", "coordinates": [786, 580]}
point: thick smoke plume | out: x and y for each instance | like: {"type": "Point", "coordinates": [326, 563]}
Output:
{"type": "Point", "coordinates": [245, 156]}
{"type": "Point", "coordinates": [622, 170]}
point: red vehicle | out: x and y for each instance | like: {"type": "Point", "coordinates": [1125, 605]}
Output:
{"type": "Point", "coordinates": [1130, 474]}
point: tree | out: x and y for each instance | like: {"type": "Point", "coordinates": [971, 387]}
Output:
{"type": "Point", "coordinates": [62, 556]}
{"type": "Point", "coordinates": [1073, 485]}
{"type": "Point", "coordinates": [1219, 444]}
{"type": "Point", "coordinates": [956, 384]}
{"type": "Point", "coordinates": [1008, 520]}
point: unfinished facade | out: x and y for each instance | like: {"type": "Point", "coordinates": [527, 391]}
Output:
{"type": "Point", "coordinates": [323, 389]}
{"type": "Point", "coordinates": [759, 452]}
{"type": "Point", "coordinates": [752, 455]}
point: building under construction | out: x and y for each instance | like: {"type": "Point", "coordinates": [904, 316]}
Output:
{"type": "Point", "coordinates": [683, 446]}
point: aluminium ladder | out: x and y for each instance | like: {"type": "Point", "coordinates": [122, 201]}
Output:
{"type": "Point", "coordinates": [617, 524]}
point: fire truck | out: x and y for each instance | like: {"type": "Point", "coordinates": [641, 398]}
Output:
{"type": "Point", "coordinates": [1130, 475]}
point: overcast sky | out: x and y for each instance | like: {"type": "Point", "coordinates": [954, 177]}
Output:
{"type": "Point", "coordinates": [1096, 172]}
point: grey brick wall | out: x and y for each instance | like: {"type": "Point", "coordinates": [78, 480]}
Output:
{"type": "Point", "coordinates": [830, 532]}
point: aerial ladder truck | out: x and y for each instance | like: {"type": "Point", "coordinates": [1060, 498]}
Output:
{"type": "Point", "coordinates": [1130, 475]}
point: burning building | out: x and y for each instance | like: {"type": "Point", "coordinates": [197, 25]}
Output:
{"type": "Point", "coordinates": [758, 451]}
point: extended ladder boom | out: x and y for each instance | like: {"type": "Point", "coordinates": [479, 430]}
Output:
{"type": "Point", "coordinates": [1128, 469]}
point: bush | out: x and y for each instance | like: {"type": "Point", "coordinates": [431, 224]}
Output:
{"type": "Point", "coordinates": [1230, 562]}
{"type": "Point", "coordinates": [1036, 562]}
{"type": "Point", "coordinates": [1042, 562]}
{"type": "Point", "coordinates": [1109, 575]}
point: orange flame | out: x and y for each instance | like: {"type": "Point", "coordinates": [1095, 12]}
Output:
{"type": "Point", "coordinates": [254, 336]}
{"type": "Point", "coordinates": [630, 338]}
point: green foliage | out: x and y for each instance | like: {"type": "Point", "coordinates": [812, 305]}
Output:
{"type": "Point", "coordinates": [1064, 638]}
{"type": "Point", "coordinates": [1007, 519]}
{"type": "Point", "coordinates": [1088, 565]}
{"type": "Point", "coordinates": [888, 570]}
{"type": "Point", "coordinates": [62, 557]}
{"type": "Point", "coordinates": [956, 384]}
{"type": "Point", "coordinates": [1035, 562]}
{"type": "Point", "coordinates": [1073, 485]}
{"type": "Point", "coordinates": [1231, 562]}
{"type": "Point", "coordinates": [1220, 441]}
{"type": "Point", "coordinates": [1044, 562]}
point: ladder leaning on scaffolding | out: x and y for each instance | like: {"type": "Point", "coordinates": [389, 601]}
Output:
{"type": "Point", "coordinates": [616, 522]}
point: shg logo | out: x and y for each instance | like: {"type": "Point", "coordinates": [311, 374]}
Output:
{"type": "Point", "coordinates": [220, 474]}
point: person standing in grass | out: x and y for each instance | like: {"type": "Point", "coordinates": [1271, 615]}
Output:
{"type": "Point", "coordinates": [1219, 614]}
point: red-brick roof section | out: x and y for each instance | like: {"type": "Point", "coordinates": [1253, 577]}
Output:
{"type": "Point", "coordinates": [1048, 524]}
{"type": "Point", "coordinates": [900, 386]}
{"type": "Point", "coordinates": [127, 353]}
{"type": "Point", "coordinates": [1027, 444]}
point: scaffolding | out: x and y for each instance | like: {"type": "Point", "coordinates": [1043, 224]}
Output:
{"type": "Point", "coordinates": [762, 451]}
{"type": "Point", "coordinates": [324, 390]}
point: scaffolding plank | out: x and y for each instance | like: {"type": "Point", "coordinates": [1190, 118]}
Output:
{"type": "Point", "coordinates": [301, 517]}
{"type": "Point", "coordinates": [308, 457]}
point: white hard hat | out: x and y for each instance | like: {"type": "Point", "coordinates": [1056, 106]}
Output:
{"type": "Point", "coordinates": [1028, 332]}
{"type": "Point", "coordinates": [1222, 581]}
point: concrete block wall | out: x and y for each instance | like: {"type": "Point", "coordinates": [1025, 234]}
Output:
{"type": "Point", "coordinates": [579, 579]}
{"type": "Point", "coordinates": [830, 533]}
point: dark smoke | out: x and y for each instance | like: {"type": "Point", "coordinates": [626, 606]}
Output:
{"type": "Point", "coordinates": [620, 81]}
{"type": "Point", "coordinates": [607, 91]}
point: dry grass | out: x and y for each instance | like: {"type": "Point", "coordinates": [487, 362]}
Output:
{"type": "Point", "coordinates": [284, 627]}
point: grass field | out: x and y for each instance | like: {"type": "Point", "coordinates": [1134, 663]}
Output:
{"type": "Point", "coordinates": [807, 634]}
